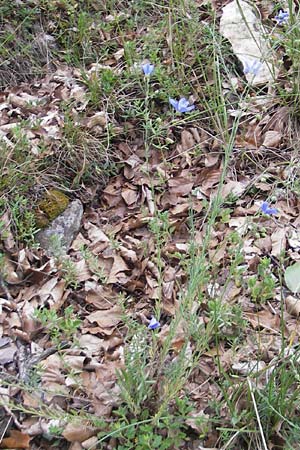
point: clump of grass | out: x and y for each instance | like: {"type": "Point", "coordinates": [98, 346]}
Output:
{"type": "Point", "coordinates": [23, 219]}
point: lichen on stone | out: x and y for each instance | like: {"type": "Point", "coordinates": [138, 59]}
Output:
{"type": "Point", "coordinates": [53, 203]}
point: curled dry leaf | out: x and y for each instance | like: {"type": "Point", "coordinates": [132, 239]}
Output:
{"type": "Point", "coordinates": [7, 353]}
{"type": "Point", "coordinates": [78, 431]}
{"type": "Point", "coordinates": [101, 387]}
{"type": "Point", "coordinates": [264, 319]}
{"type": "Point", "coordinates": [7, 238]}
{"type": "Point", "coordinates": [180, 186]}
{"type": "Point", "coordinates": [128, 255]}
{"type": "Point", "coordinates": [23, 101]}
{"type": "Point", "coordinates": [234, 188]}
{"type": "Point", "coordinates": [106, 318]}
{"type": "Point", "coordinates": [53, 293]}
{"type": "Point", "coordinates": [278, 239]}
{"type": "Point", "coordinates": [248, 367]}
{"type": "Point", "coordinates": [211, 159]}
{"type": "Point", "coordinates": [208, 178]}
{"type": "Point", "coordinates": [187, 140]}
{"type": "Point", "coordinates": [101, 297]}
{"type": "Point", "coordinates": [82, 270]}
{"type": "Point", "coordinates": [272, 139]}
{"type": "Point", "coordinates": [293, 305]}
{"type": "Point", "coordinates": [8, 269]}
{"type": "Point", "coordinates": [264, 244]}
{"type": "Point", "coordinates": [130, 195]}
{"type": "Point", "coordinates": [198, 421]}
{"type": "Point", "coordinates": [117, 270]}
{"type": "Point", "coordinates": [92, 345]}
{"type": "Point", "coordinates": [90, 443]}
{"type": "Point", "coordinates": [17, 439]}
{"type": "Point", "coordinates": [95, 234]}
{"type": "Point", "coordinates": [98, 119]}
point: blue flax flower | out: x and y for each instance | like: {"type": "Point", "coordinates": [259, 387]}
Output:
{"type": "Point", "coordinates": [282, 17]}
{"type": "Point", "coordinates": [153, 324]}
{"type": "Point", "coordinates": [252, 67]}
{"type": "Point", "coordinates": [182, 105]}
{"type": "Point", "coordinates": [265, 208]}
{"type": "Point", "coordinates": [148, 69]}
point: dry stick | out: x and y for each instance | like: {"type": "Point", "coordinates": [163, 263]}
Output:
{"type": "Point", "coordinates": [13, 417]}
{"type": "Point", "coordinates": [5, 289]}
{"type": "Point", "coordinates": [6, 427]}
{"type": "Point", "coordinates": [257, 415]}
{"type": "Point", "coordinates": [231, 440]}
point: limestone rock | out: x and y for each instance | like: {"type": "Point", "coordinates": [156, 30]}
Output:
{"type": "Point", "coordinates": [244, 30]}
{"type": "Point", "coordinates": [59, 235]}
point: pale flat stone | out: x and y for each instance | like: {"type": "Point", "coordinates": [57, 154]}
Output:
{"type": "Point", "coordinates": [61, 232]}
{"type": "Point", "coordinates": [244, 30]}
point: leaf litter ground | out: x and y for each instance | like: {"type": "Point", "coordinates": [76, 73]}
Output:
{"type": "Point", "coordinates": [132, 252]}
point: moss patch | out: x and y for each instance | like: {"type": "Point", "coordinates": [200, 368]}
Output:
{"type": "Point", "coordinates": [52, 205]}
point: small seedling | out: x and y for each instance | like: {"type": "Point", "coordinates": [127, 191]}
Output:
{"type": "Point", "coordinates": [262, 285]}
{"type": "Point", "coordinates": [59, 328]}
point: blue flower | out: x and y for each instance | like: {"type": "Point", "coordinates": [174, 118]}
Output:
{"type": "Point", "coordinates": [265, 208]}
{"type": "Point", "coordinates": [182, 105]}
{"type": "Point", "coordinates": [148, 69]}
{"type": "Point", "coordinates": [252, 67]}
{"type": "Point", "coordinates": [282, 17]}
{"type": "Point", "coordinates": [153, 324]}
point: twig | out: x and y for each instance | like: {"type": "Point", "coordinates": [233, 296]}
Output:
{"type": "Point", "coordinates": [13, 417]}
{"type": "Point", "coordinates": [5, 289]}
{"type": "Point", "coordinates": [5, 428]}
{"type": "Point", "coordinates": [257, 415]}
{"type": "Point", "coordinates": [37, 358]}
{"type": "Point", "coordinates": [231, 440]}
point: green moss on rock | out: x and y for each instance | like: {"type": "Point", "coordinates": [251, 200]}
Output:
{"type": "Point", "coordinates": [52, 205]}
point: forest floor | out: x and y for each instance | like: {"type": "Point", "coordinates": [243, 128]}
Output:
{"type": "Point", "coordinates": [173, 321]}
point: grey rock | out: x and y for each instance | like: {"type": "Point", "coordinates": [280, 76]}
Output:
{"type": "Point", "coordinates": [57, 238]}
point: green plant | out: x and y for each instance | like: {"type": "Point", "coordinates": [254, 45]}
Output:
{"type": "Point", "coordinates": [64, 262]}
{"type": "Point", "coordinates": [93, 263]}
{"type": "Point", "coordinates": [289, 39]}
{"type": "Point", "coordinates": [23, 220]}
{"type": "Point", "coordinates": [225, 319]}
{"type": "Point", "coordinates": [262, 285]}
{"type": "Point", "coordinates": [59, 327]}
{"type": "Point", "coordinates": [168, 433]}
{"type": "Point", "coordinates": [69, 272]}
{"type": "Point", "coordinates": [135, 380]}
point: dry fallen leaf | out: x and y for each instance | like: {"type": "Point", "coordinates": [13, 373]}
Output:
{"type": "Point", "coordinates": [248, 367]}
{"type": "Point", "coordinates": [272, 139]}
{"type": "Point", "coordinates": [293, 305]}
{"type": "Point", "coordinates": [233, 187]}
{"type": "Point", "coordinates": [130, 195]}
{"type": "Point", "coordinates": [117, 270]}
{"type": "Point", "coordinates": [278, 239]}
{"type": "Point", "coordinates": [180, 186]}
{"type": "Point", "coordinates": [99, 118]}
{"type": "Point", "coordinates": [17, 439]}
{"type": "Point", "coordinates": [106, 318]}
{"type": "Point", "coordinates": [78, 431]}
{"type": "Point", "coordinates": [7, 353]}
{"type": "Point", "coordinates": [53, 293]}
{"type": "Point", "coordinates": [208, 178]}
{"type": "Point", "coordinates": [187, 140]}
{"type": "Point", "coordinates": [264, 319]}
